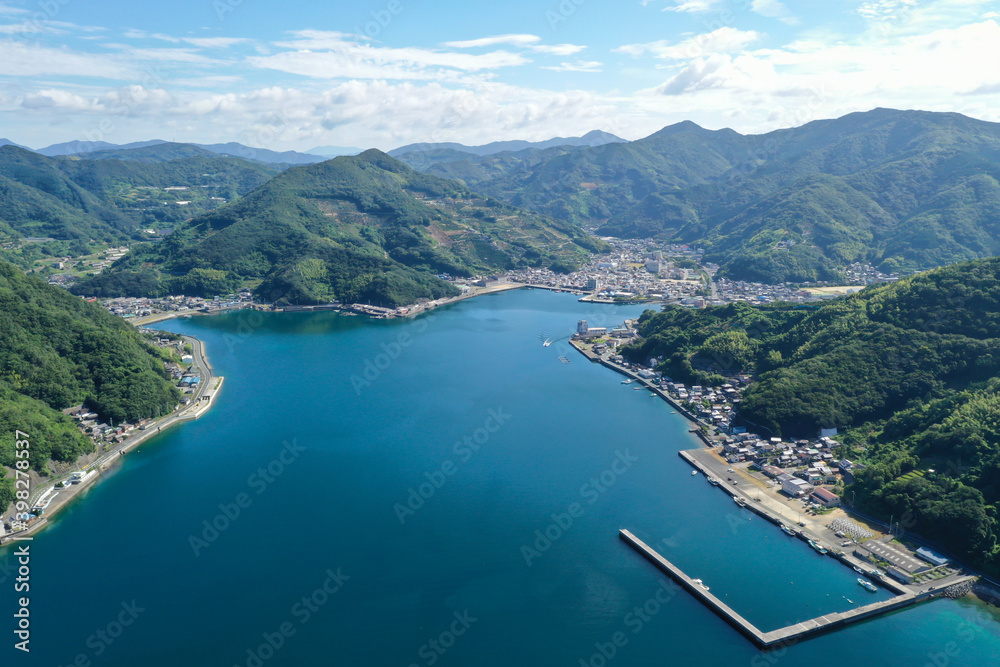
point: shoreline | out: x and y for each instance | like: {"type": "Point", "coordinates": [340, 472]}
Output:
{"type": "Point", "coordinates": [204, 399]}
{"type": "Point", "coordinates": [770, 510]}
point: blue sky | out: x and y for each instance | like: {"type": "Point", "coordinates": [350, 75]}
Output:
{"type": "Point", "coordinates": [383, 73]}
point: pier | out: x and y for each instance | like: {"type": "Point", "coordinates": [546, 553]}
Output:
{"type": "Point", "coordinates": [781, 636]}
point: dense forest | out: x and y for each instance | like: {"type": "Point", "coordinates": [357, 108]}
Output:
{"type": "Point", "coordinates": [354, 229]}
{"type": "Point", "coordinates": [910, 371]}
{"type": "Point", "coordinates": [59, 351]}
{"type": "Point", "coordinates": [902, 190]}
{"type": "Point", "coordinates": [110, 200]}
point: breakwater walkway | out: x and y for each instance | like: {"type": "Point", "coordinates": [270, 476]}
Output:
{"type": "Point", "coordinates": [781, 636]}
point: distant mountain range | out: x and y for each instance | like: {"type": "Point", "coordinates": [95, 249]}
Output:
{"type": "Point", "coordinates": [904, 190]}
{"type": "Point", "coordinates": [159, 149]}
{"type": "Point", "coordinates": [366, 228]}
{"type": "Point", "coordinates": [593, 138]}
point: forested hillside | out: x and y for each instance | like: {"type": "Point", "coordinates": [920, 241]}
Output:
{"type": "Point", "coordinates": [904, 190]}
{"type": "Point", "coordinates": [911, 371]}
{"type": "Point", "coordinates": [58, 351]}
{"type": "Point", "coordinates": [355, 229]}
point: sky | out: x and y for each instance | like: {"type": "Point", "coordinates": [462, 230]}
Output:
{"type": "Point", "coordinates": [384, 73]}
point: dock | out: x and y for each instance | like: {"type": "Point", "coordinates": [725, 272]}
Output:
{"type": "Point", "coordinates": [781, 636]}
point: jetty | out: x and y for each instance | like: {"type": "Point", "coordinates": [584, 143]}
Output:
{"type": "Point", "coordinates": [781, 636]}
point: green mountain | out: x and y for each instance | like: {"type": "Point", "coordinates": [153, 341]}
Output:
{"type": "Point", "coordinates": [58, 351]}
{"type": "Point", "coordinates": [904, 190]}
{"type": "Point", "coordinates": [109, 200]}
{"type": "Point", "coordinates": [911, 369]}
{"type": "Point", "coordinates": [38, 199]}
{"type": "Point", "coordinates": [356, 229]}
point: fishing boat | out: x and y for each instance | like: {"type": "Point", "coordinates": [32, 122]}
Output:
{"type": "Point", "coordinates": [788, 531]}
{"type": "Point", "coordinates": [817, 547]}
{"type": "Point", "coordinates": [867, 585]}
{"type": "Point", "coordinates": [700, 583]}
{"type": "Point", "coordinates": [740, 500]}
{"type": "Point", "coordinates": [858, 570]}
{"type": "Point", "coordinates": [712, 480]}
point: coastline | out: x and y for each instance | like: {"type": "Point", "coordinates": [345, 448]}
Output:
{"type": "Point", "coordinates": [204, 399]}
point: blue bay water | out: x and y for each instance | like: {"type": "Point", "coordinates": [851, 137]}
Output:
{"type": "Point", "coordinates": [462, 568]}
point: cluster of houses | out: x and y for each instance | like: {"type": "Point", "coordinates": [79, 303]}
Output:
{"type": "Point", "coordinates": [802, 468]}
{"type": "Point", "coordinates": [128, 307]}
{"type": "Point", "coordinates": [729, 291]}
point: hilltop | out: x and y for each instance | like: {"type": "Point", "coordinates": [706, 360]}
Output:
{"type": "Point", "coordinates": [365, 228]}
{"type": "Point", "coordinates": [903, 190]}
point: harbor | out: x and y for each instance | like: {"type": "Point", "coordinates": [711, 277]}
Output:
{"type": "Point", "coordinates": [782, 636]}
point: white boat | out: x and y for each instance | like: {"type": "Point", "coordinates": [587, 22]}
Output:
{"type": "Point", "coordinates": [867, 585]}
{"type": "Point", "coordinates": [627, 381]}
{"type": "Point", "coordinates": [694, 472]}
{"type": "Point", "coordinates": [740, 500]}
{"type": "Point", "coordinates": [713, 481]}
{"type": "Point", "coordinates": [700, 583]}
{"type": "Point", "coordinates": [787, 530]}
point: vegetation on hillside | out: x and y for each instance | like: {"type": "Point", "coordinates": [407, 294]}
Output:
{"type": "Point", "coordinates": [355, 229]}
{"type": "Point", "coordinates": [911, 371]}
{"type": "Point", "coordinates": [59, 351]}
{"type": "Point", "coordinates": [903, 190]}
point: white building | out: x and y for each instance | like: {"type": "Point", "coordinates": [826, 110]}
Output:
{"type": "Point", "coordinates": [796, 487]}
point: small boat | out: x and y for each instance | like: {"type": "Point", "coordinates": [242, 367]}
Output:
{"type": "Point", "coordinates": [636, 388]}
{"type": "Point", "coordinates": [817, 547]}
{"type": "Point", "coordinates": [694, 472]}
{"type": "Point", "coordinates": [740, 500]}
{"type": "Point", "coordinates": [867, 585]}
{"type": "Point", "coordinates": [788, 531]}
{"type": "Point", "coordinates": [700, 583]}
{"type": "Point", "coordinates": [673, 412]}
{"type": "Point", "coordinates": [627, 381]}
{"type": "Point", "coordinates": [652, 394]}
{"type": "Point", "coordinates": [858, 570]}
{"type": "Point", "coordinates": [712, 481]}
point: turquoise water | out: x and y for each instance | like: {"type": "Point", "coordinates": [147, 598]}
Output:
{"type": "Point", "coordinates": [413, 495]}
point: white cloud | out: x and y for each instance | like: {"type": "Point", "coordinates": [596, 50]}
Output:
{"type": "Point", "coordinates": [58, 99]}
{"type": "Point", "coordinates": [342, 58]}
{"type": "Point", "coordinates": [558, 49]}
{"type": "Point", "coordinates": [891, 10]}
{"type": "Point", "coordinates": [694, 6]}
{"type": "Point", "coordinates": [30, 59]}
{"type": "Point", "coordinates": [519, 40]}
{"type": "Point", "coordinates": [578, 66]}
{"type": "Point", "coordinates": [773, 9]}
{"type": "Point", "coordinates": [214, 42]}
{"type": "Point", "coordinates": [723, 40]}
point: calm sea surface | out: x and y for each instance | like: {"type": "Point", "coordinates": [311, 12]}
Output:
{"type": "Point", "coordinates": [368, 493]}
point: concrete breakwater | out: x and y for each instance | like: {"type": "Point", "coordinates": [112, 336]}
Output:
{"type": "Point", "coordinates": [773, 638]}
